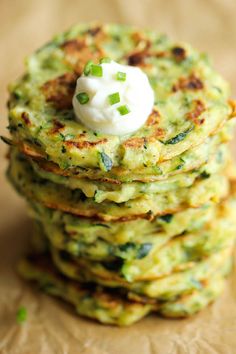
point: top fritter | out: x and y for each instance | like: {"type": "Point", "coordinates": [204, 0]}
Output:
{"type": "Point", "coordinates": [191, 99]}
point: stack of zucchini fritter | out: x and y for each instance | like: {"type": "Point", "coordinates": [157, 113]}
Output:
{"type": "Point", "coordinates": [126, 225]}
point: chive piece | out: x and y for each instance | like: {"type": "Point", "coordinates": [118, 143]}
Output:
{"type": "Point", "coordinates": [87, 68]}
{"type": "Point", "coordinates": [106, 161]}
{"type": "Point", "coordinates": [96, 70]}
{"type": "Point", "coordinates": [120, 76]}
{"type": "Point", "coordinates": [123, 110]}
{"type": "Point", "coordinates": [114, 98]}
{"type": "Point", "coordinates": [82, 97]}
{"type": "Point", "coordinates": [21, 315]}
{"type": "Point", "coordinates": [105, 60]}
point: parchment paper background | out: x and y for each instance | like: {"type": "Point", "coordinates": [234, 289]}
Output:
{"type": "Point", "coordinates": [51, 326]}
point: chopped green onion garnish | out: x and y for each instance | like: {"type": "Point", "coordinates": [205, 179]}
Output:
{"type": "Point", "coordinates": [21, 315]}
{"type": "Point", "coordinates": [87, 68]}
{"type": "Point", "coordinates": [123, 110]}
{"type": "Point", "coordinates": [96, 70]}
{"type": "Point", "coordinates": [120, 76]}
{"type": "Point", "coordinates": [82, 97]}
{"type": "Point", "coordinates": [105, 60]}
{"type": "Point", "coordinates": [114, 98]}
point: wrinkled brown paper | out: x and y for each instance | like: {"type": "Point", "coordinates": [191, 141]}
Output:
{"type": "Point", "coordinates": [51, 326]}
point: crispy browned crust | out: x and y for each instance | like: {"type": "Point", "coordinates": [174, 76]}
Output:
{"type": "Point", "coordinates": [51, 167]}
{"type": "Point", "coordinates": [158, 133]}
{"type": "Point", "coordinates": [78, 58]}
{"type": "Point", "coordinates": [93, 213]}
{"type": "Point", "coordinates": [60, 90]}
{"type": "Point", "coordinates": [78, 51]}
{"type": "Point", "coordinates": [233, 186]}
{"type": "Point", "coordinates": [25, 117]}
{"type": "Point", "coordinates": [31, 151]}
{"type": "Point", "coordinates": [147, 300]}
{"type": "Point", "coordinates": [157, 303]}
{"type": "Point", "coordinates": [57, 126]}
{"type": "Point", "coordinates": [141, 298]}
{"type": "Point", "coordinates": [107, 275]}
{"type": "Point", "coordinates": [143, 46]}
{"type": "Point", "coordinates": [98, 33]}
{"type": "Point", "coordinates": [179, 53]}
{"type": "Point", "coordinates": [139, 38]}
{"type": "Point", "coordinates": [34, 153]}
{"type": "Point", "coordinates": [107, 296]}
{"type": "Point", "coordinates": [85, 144]}
{"type": "Point", "coordinates": [73, 46]}
{"type": "Point", "coordinates": [232, 104]}
{"type": "Point", "coordinates": [138, 57]}
{"type": "Point", "coordinates": [154, 121]}
{"type": "Point", "coordinates": [135, 143]}
{"type": "Point", "coordinates": [154, 118]}
{"type": "Point", "coordinates": [95, 31]}
{"type": "Point", "coordinates": [191, 82]}
{"type": "Point", "coordinates": [198, 109]}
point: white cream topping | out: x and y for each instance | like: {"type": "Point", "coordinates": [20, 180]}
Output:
{"type": "Point", "coordinates": [100, 113]}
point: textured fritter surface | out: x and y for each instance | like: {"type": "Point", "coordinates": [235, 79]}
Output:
{"type": "Point", "coordinates": [111, 307]}
{"type": "Point", "coordinates": [191, 99]}
{"type": "Point", "coordinates": [120, 193]}
{"type": "Point", "coordinates": [33, 187]}
{"type": "Point", "coordinates": [166, 287]}
{"type": "Point", "coordinates": [90, 300]}
{"type": "Point", "coordinates": [89, 231]}
{"type": "Point", "coordinates": [152, 256]}
{"type": "Point", "coordinates": [149, 260]}
{"type": "Point", "coordinates": [189, 160]}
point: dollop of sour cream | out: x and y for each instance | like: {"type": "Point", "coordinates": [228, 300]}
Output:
{"type": "Point", "coordinates": [112, 98]}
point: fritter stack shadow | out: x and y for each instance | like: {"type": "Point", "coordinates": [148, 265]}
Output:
{"type": "Point", "coordinates": [133, 224]}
